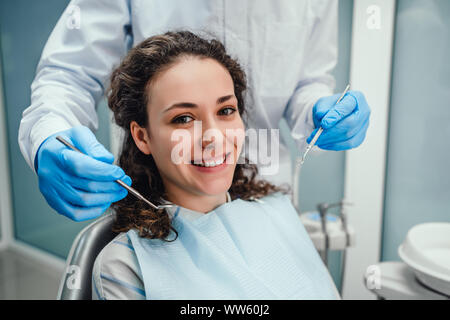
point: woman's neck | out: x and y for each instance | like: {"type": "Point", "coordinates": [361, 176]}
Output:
{"type": "Point", "coordinates": [195, 202]}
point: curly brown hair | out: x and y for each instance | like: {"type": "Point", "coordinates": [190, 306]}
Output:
{"type": "Point", "coordinates": [128, 97]}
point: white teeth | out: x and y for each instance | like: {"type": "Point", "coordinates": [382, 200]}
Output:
{"type": "Point", "coordinates": [212, 163]}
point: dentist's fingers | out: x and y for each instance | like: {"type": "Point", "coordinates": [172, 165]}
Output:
{"type": "Point", "coordinates": [88, 199]}
{"type": "Point", "coordinates": [84, 166]}
{"type": "Point", "coordinates": [350, 143]}
{"type": "Point", "coordinates": [75, 213]}
{"type": "Point", "coordinates": [343, 130]}
{"type": "Point", "coordinates": [338, 112]}
{"type": "Point", "coordinates": [84, 139]}
{"type": "Point", "coordinates": [95, 186]}
{"type": "Point", "coordinates": [321, 107]}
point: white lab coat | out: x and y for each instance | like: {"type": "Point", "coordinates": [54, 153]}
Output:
{"type": "Point", "coordinates": [287, 49]}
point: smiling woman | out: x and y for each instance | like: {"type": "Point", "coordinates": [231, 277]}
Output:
{"type": "Point", "coordinates": [224, 245]}
{"type": "Point", "coordinates": [167, 83]}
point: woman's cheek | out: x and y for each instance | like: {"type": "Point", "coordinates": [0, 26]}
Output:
{"type": "Point", "coordinates": [178, 147]}
{"type": "Point", "coordinates": [240, 129]}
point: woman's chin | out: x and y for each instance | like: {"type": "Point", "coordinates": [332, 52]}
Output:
{"type": "Point", "coordinates": [213, 185]}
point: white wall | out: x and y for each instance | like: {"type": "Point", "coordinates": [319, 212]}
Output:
{"type": "Point", "coordinates": [370, 72]}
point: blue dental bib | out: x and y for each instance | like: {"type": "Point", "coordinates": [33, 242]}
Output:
{"type": "Point", "coordinates": [240, 250]}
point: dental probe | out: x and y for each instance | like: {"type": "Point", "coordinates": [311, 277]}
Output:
{"type": "Point", "coordinates": [123, 184]}
{"type": "Point", "coordinates": [319, 132]}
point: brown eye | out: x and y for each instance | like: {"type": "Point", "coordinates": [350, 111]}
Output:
{"type": "Point", "coordinates": [182, 119]}
{"type": "Point", "coordinates": [227, 111]}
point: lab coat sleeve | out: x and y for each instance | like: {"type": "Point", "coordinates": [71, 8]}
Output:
{"type": "Point", "coordinates": [87, 42]}
{"type": "Point", "coordinates": [316, 80]}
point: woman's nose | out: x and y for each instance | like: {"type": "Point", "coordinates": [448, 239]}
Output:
{"type": "Point", "coordinates": [212, 138]}
{"type": "Point", "coordinates": [211, 134]}
{"type": "Point", "coordinates": [207, 142]}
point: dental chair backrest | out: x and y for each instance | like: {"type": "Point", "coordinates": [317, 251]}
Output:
{"type": "Point", "coordinates": [76, 280]}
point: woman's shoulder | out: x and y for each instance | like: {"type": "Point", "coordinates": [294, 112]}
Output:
{"type": "Point", "coordinates": [116, 273]}
{"type": "Point", "coordinates": [120, 244]}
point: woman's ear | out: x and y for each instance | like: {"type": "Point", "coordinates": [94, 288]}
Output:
{"type": "Point", "coordinates": [140, 137]}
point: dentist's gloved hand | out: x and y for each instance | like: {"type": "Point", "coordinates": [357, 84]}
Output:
{"type": "Point", "coordinates": [79, 186]}
{"type": "Point", "coordinates": [345, 124]}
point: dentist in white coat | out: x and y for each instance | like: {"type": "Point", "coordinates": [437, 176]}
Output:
{"type": "Point", "coordinates": [287, 48]}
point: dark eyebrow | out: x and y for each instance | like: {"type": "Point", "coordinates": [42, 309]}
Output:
{"type": "Point", "coordinates": [225, 98]}
{"type": "Point", "coordinates": [193, 105]}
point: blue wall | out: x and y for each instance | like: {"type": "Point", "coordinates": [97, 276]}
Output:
{"type": "Point", "coordinates": [24, 28]}
{"type": "Point", "coordinates": [418, 174]}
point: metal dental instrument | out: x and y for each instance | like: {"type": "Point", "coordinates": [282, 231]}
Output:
{"type": "Point", "coordinates": [319, 132]}
{"type": "Point", "coordinates": [299, 162]}
{"type": "Point", "coordinates": [123, 184]}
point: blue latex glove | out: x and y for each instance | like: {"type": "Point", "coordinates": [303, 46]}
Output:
{"type": "Point", "coordinates": [79, 186]}
{"type": "Point", "coordinates": [345, 124]}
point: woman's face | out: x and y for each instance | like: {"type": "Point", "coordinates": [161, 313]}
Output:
{"type": "Point", "coordinates": [199, 90]}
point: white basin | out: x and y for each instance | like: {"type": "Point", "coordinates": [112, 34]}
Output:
{"type": "Point", "coordinates": [426, 249]}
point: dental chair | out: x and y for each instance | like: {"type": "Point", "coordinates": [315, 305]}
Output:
{"type": "Point", "coordinates": [76, 280]}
